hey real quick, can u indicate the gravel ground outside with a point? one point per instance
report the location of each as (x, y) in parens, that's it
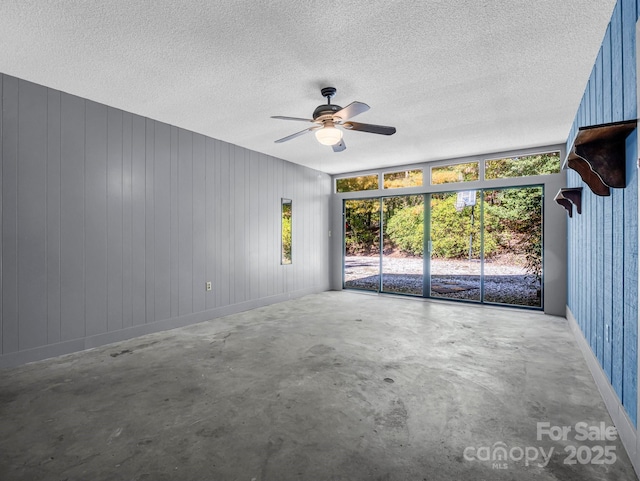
(504, 283)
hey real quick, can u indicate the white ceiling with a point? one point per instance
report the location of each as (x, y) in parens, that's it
(455, 78)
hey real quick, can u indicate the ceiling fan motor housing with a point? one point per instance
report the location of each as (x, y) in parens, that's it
(325, 110)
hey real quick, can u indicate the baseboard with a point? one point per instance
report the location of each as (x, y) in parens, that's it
(53, 350)
(626, 430)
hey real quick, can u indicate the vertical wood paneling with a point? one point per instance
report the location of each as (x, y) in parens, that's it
(302, 193)
(617, 197)
(217, 216)
(595, 228)
(138, 220)
(280, 192)
(289, 192)
(607, 115)
(599, 284)
(591, 234)
(603, 247)
(590, 265)
(231, 247)
(32, 215)
(72, 142)
(629, 18)
(115, 305)
(251, 273)
(570, 256)
(111, 220)
(210, 221)
(175, 226)
(599, 108)
(246, 210)
(199, 223)
(584, 293)
(238, 183)
(299, 270)
(272, 261)
(224, 195)
(162, 221)
(295, 228)
(150, 214)
(185, 221)
(53, 215)
(617, 102)
(95, 219)
(10, 314)
(263, 208)
(580, 231)
(608, 214)
(607, 288)
(630, 381)
(127, 220)
(630, 332)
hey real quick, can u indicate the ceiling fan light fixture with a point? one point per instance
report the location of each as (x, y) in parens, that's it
(329, 135)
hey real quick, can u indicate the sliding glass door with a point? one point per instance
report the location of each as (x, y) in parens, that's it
(403, 241)
(513, 246)
(362, 244)
(456, 246)
(479, 246)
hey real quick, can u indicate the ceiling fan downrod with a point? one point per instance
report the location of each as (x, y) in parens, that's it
(328, 92)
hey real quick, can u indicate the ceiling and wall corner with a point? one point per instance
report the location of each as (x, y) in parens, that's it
(454, 78)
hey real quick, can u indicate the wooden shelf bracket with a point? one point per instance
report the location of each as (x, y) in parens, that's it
(598, 155)
(567, 197)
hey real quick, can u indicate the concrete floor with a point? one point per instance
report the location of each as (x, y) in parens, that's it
(335, 386)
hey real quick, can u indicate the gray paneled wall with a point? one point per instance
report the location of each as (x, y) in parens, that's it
(112, 224)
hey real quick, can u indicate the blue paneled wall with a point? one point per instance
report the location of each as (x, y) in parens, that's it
(603, 241)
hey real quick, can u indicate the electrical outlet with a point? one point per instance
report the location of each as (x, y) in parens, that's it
(208, 286)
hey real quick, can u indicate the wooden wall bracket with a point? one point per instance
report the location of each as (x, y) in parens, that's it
(598, 155)
(567, 197)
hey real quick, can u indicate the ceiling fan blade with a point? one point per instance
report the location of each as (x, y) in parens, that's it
(374, 129)
(351, 110)
(339, 147)
(281, 117)
(297, 134)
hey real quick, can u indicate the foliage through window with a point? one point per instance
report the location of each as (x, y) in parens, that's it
(405, 178)
(455, 173)
(355, 184)
(286, 231)
(526, 165)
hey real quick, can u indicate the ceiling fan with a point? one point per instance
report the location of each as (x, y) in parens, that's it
(327, 117)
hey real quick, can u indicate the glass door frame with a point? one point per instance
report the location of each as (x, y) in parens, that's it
(425, 264)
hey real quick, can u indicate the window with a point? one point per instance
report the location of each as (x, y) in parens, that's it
(286, 231)
(405, 178)
(538, 164)
(455, 173)
(355, 184)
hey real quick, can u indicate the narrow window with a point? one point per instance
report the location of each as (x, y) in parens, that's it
(286, 231)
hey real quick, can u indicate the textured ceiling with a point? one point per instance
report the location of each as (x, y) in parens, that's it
(455, 78)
